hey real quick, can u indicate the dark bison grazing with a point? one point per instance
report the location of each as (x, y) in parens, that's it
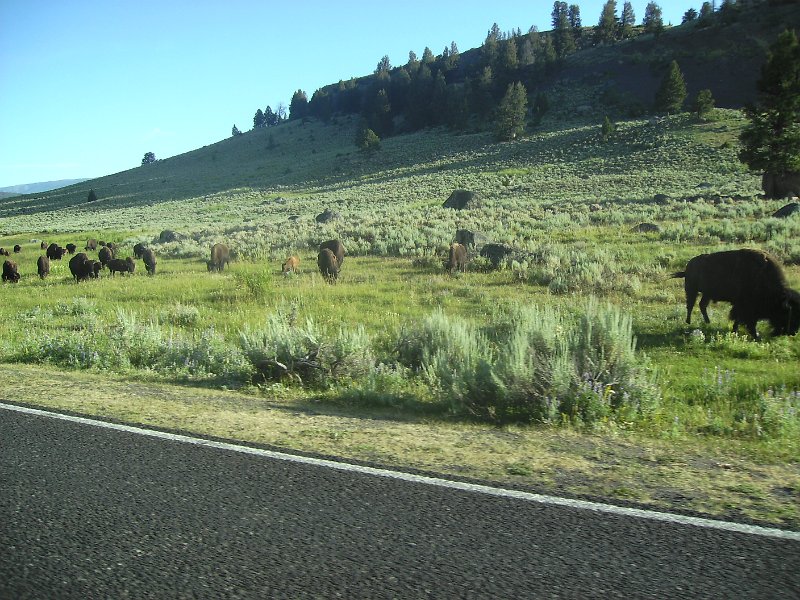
(336, 247)
(71, 248)
(291, 265)
(122, 266)
(105, 255)
(55, 252)
(751, 280)
(470, 239)
(81, 267)
(138, 250)
(496, 253)
(10, 272)
(457, 261)
(17, 248)
(149, 258)
(4, 252)
(43, 267)
(91, 244)
(328, 265)
(220, 256)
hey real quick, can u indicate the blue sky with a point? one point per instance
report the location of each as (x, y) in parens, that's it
(87, 87)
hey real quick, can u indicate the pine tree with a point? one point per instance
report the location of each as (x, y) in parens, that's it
(606, 30)
(672, 93)
(607, 129)
(511, 112)
(704, 103)
(627, 21)
(771, 142)
(298, 105)
(235, 131)
(92, 197)
(258, 119)
(653, 22)
(563, 33)
(149, 158)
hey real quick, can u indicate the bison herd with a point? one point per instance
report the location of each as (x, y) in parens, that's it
(752, 281)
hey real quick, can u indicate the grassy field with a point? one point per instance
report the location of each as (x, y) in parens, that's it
(569, 368)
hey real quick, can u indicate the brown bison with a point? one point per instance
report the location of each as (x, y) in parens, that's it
(291, 265)
(10, 272)
(149, 259)
(43, 245)
(751, 280)
(4, 252)
(122, 266)
(91, 244)
(337, 248)
(71, 248)
(328, 265)
(81, 267)
(457, 261)
(55, 252)
(43, 267)
(17, 248)
(220, 256)
(138, 250)
(105, 255)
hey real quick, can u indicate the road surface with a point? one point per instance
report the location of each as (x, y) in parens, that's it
(92, 512)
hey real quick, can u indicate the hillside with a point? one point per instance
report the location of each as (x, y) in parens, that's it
(36, 188)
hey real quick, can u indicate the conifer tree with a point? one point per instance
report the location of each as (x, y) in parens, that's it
(510, 121)
(672, 93)
(653, 21)
(626, 21)
(606, 30)
(704, 103)
(771, 142)
(298, 105)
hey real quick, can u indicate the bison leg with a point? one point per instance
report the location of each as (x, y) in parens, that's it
(704, 301)
(691, 296)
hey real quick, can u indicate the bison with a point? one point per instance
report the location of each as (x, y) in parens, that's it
(91, 244)
(291, 265)
(149, 259)
(71, 248)
(496, 253)
(457, 260)
(105, 255)
(751, 280)
(81, 267)
(17, 248)
(43, 267)
(4, 252)
(138, 250)
(55, 252)
(220, 256)
(10, 272)
(122, 266)
(336, 247)
(328, 265)
(43, 245)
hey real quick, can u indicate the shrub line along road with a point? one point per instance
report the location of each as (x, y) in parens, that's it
(89, 508)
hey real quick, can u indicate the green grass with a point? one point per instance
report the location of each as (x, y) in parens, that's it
(185, 325)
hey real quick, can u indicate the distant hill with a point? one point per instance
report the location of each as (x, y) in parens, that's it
(36, 188)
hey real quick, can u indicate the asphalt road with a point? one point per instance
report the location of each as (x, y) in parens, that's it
(87, 512)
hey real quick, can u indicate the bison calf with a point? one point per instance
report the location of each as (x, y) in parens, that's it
(751, 280)
(291, 265)
(457, 261)
(10, 272)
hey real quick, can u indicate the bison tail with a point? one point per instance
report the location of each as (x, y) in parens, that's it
(678, 275)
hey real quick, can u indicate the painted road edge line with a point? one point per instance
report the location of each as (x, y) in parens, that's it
(427, 480)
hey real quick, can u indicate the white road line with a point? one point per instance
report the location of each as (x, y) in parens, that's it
(456, 485)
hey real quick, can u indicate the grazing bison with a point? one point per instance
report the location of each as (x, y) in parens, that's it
(4, 252)
(91, 244)
(291, 265)
(751, 280)
(71, 248)
(10, 272)
(138, 250)
(457, 260)
(328, 265)
(43, 267)
(43, 245)
(470, 239)
(81, 267)
(17, 248)
(784, 319)
(336, 247)
(55, 252)
(149, 258)
(105, 255)
(496, 253)
(220, 256)
(122, 266)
